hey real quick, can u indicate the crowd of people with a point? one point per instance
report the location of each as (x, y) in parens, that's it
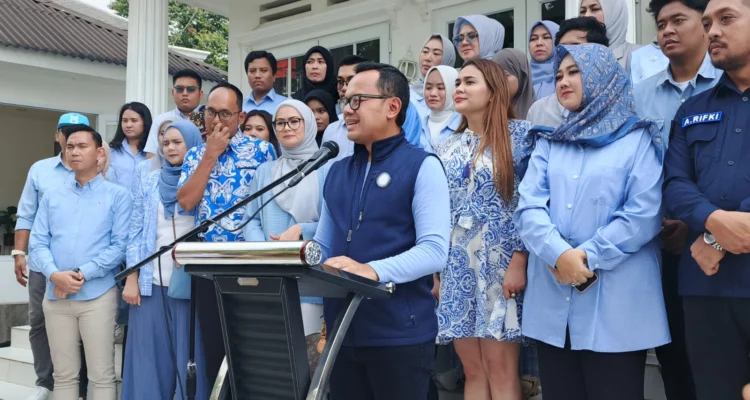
(545, 217)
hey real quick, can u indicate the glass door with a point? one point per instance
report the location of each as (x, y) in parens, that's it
(371, 42)
(290, 66)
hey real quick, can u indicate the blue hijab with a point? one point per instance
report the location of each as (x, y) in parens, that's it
(169, 175)
(607, 110)
(542, 73)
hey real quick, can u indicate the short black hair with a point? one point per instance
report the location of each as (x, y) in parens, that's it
(254, 55)
(655, 6)
(71, 129)
(390, 83)
(188, 73)
(596, 32)
(235, 89)
(352, 60)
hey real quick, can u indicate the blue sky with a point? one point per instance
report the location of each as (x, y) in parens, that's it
(98, 3)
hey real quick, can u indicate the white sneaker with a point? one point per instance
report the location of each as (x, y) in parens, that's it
(40, 394)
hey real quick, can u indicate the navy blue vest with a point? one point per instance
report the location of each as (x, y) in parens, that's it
(374, 226)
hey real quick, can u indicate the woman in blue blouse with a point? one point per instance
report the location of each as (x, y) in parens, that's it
(480, 289)
(294, 214)
(442, 120)
(590, 212)
(149, 372)
(130, 139)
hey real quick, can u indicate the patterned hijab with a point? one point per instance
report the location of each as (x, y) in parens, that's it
(516, 63)
(169, 175)
(491, 34)
(542, 75)
(300, 201)
(607, 110)
(449, 59)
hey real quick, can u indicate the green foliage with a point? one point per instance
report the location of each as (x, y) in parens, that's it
(8, 219)
(193, 28)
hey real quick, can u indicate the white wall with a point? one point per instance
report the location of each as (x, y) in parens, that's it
(10, 291)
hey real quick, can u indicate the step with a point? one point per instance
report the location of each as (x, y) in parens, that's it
(9, 391)
(17, 366)
(19, 337)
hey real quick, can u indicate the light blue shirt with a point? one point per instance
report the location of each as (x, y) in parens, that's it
(420, 103)
(646, 62)
(268, 103)
(123, 162)
(604, 201)
(431, 211)
(43, 176)
(82, 227)
(659, 97)
(337, 132)
(426, 138)
(152, 143)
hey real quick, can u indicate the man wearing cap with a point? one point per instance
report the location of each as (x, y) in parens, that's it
(43, 176)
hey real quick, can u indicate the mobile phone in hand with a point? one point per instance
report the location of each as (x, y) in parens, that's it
(589, 282)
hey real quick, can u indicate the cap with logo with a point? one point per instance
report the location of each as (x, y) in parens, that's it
(72, 119)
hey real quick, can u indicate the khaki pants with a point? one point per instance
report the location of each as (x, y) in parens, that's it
(93, 321)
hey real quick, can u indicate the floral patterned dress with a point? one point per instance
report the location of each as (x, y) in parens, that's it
(482, 242)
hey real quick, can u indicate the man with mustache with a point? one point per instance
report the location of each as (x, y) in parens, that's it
(707, 186)
(685, 43)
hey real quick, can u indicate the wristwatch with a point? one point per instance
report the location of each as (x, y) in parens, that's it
(709, 239)
(14, 253)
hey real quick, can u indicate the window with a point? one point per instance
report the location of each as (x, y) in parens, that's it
(505, 18)
(554, 11)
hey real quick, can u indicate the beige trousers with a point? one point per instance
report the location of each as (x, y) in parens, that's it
(93, 321)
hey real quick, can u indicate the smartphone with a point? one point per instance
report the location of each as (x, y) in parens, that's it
(586, 285)
(196, 118)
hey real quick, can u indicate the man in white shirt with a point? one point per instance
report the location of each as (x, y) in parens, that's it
(337, 131)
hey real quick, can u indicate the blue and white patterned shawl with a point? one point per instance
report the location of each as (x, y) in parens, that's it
(607, 110)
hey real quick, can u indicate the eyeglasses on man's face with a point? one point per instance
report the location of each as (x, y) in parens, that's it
(471, 36)
(224, 115)
(190, 89)
(356, 101)
(292, 123)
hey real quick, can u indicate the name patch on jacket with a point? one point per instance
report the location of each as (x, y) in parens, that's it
(702, 118)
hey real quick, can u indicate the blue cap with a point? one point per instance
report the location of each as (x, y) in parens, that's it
(72, 119)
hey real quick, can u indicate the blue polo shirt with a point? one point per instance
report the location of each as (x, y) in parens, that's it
(707, 168)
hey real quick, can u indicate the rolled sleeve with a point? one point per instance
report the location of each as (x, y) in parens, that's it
(28, 204)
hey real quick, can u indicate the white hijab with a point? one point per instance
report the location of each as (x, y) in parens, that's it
(449, 59)
(449, 75)
(616, 21)
(491, 33)
(300, 201)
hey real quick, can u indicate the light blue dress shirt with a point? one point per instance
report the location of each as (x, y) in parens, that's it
(337, 132)
(430, 208)
(647, 62)
(605, 201)
(420, 103)
(152, 143)
(268, 103)
(659, 97)
(123, 161)
(82, 227)
(44, 175)
(426, 138)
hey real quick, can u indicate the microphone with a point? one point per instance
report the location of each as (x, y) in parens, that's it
(326, 152)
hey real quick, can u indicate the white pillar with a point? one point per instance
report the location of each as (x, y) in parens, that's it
(148, 69)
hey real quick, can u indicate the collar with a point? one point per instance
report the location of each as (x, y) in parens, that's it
(707, 71)
(726, 86)
(60, 162)
(179, 113)
(381, 149)
(93, 184)
(238, 142)
(270, 96)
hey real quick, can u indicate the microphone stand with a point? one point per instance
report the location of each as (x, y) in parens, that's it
(191, 378)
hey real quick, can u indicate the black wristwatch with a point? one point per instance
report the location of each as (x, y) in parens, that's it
(709, 239)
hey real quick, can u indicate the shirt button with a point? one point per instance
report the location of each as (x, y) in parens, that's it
(744, 99)
(570, 206)
(723, 197)
(738, 130)
(596, 265)
(730, 163)
(567, 299)
(682, 100)
(575, 177)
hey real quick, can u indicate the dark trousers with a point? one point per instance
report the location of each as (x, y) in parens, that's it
(207, 308)
(586, 375)
(673, 358)
(383, 373)
(717, 331)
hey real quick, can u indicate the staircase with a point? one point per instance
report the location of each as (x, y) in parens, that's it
(17, 376)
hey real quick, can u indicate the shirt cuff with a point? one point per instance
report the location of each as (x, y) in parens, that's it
(23, 224)
(592, 258)
(380, 268)
(90, 271)
(553, 250)
(49, 269)
(701, 214)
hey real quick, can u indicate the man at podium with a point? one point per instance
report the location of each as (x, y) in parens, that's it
(387, 218)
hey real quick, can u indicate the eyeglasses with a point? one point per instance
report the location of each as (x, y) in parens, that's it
(471, 36)
(180, 89)
(341, 83)
(292, 123)
(224, 115)
(355, 101)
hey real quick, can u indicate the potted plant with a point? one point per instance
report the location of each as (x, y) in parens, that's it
(8, 221)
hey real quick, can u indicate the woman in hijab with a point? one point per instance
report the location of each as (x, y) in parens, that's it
(516, 67)
(478, 36)
(437, 50)
(319, 74)
(443, 119)
(614, 15)
(157, 221)
(541, 44)
(294, 214)
(589, 213)
(324, 109)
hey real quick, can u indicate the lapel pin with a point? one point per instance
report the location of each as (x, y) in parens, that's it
(383, 179)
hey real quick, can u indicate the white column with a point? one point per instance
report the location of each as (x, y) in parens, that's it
(148, 69)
